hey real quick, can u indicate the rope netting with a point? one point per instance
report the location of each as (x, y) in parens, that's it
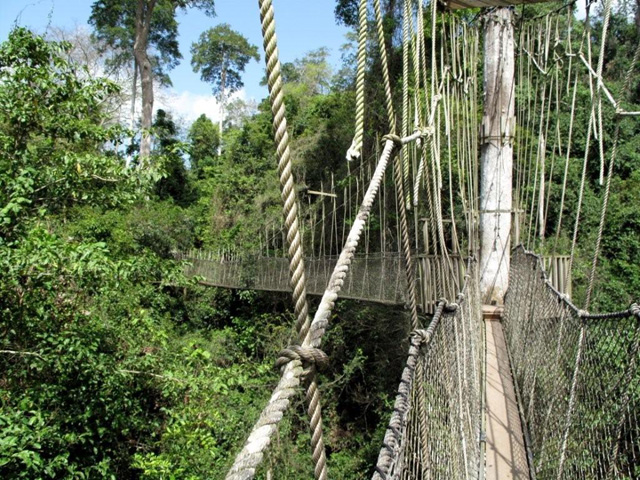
(578, 379)
(434, 431)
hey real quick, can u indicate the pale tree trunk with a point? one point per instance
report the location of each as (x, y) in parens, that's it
(223, 101)
(144, 11)
(132, 119)
(497, 155)
(134, 88)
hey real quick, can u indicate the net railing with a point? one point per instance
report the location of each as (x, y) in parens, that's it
(374, 277)
(434, 431)
(577, 376)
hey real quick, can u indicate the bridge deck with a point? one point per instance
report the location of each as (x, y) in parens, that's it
(505, 449)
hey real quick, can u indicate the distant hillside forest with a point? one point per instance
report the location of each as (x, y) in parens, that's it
(114, 364)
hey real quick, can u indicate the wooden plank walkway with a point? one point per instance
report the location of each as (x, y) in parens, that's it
(506, 456)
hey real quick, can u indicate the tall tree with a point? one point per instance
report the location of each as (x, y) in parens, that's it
(221, 55)
(133, 27)
(204, 140)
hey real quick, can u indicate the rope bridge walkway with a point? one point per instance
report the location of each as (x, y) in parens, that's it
(549, 392)
(363, 280)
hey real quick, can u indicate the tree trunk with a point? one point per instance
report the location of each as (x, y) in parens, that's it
(144, 10)
(223, 101)
(134, 92)
(132, 119)
(497, 155)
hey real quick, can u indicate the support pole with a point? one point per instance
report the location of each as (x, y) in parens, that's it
(497, 155)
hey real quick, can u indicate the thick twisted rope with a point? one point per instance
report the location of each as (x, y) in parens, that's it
(388, 97)
(321, 318)
(274, 80)
(394, 434)
(355, 150)
(251, 456)
(405, 90)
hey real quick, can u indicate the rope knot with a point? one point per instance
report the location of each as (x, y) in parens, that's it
(394, 138)
(353, 153)
(420, 335)
(583, 313)
(634, 309)
(309, 356)
(451, 307)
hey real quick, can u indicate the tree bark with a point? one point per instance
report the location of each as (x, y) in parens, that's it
(144, 10)
(223, 101)
(497, 155)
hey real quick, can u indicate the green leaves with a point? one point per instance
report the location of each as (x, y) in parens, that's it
(220, 55)
(52, 136)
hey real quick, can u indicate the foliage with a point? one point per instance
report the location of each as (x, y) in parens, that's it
(168, 151)
(115, 25)
(52, 134)
(204, 140)
(220, 55)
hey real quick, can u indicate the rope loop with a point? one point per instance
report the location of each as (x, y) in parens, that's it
(420, 334)
(397, 141)
(310, 357)
(451, 307)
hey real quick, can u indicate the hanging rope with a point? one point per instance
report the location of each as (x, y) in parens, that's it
(246, 468)
(355, 150)
(388, 98)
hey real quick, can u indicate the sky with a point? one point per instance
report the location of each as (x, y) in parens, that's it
(301, 26)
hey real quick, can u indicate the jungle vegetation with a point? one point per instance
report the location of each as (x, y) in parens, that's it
(115, 365)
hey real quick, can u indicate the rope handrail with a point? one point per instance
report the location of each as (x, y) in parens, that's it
(577, 375)
(628, 312)
(451, 321)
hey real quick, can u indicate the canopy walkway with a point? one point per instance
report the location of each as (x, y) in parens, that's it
(436, 278)
(506, 378)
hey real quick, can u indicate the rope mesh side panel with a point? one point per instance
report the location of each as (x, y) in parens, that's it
(578, 379)
(450, 353)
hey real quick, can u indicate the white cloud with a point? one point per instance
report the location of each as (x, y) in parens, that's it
(189, 106)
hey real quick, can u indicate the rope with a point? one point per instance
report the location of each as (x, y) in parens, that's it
(393, 435)
(355, 150)
(605, 201)
(405, 91)
(251, 455)
(388, 98)
(244, 467)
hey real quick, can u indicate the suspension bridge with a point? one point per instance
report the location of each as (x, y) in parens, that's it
(505, 376)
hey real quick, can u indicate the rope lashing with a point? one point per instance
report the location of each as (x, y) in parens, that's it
(397, 141)
(309, 357)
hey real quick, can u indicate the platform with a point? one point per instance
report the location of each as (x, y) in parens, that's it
(505, 456)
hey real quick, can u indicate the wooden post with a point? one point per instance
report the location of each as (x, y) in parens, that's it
(497, 155)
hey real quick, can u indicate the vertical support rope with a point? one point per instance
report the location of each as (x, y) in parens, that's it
(298, 279)
(388, 97)
(605, 201)
(355, 150)
(405, 90)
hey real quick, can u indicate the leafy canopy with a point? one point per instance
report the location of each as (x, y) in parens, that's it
(52, 134)
(115, 26)
(220, 55)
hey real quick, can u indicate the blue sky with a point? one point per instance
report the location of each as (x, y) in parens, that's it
(301, 26)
